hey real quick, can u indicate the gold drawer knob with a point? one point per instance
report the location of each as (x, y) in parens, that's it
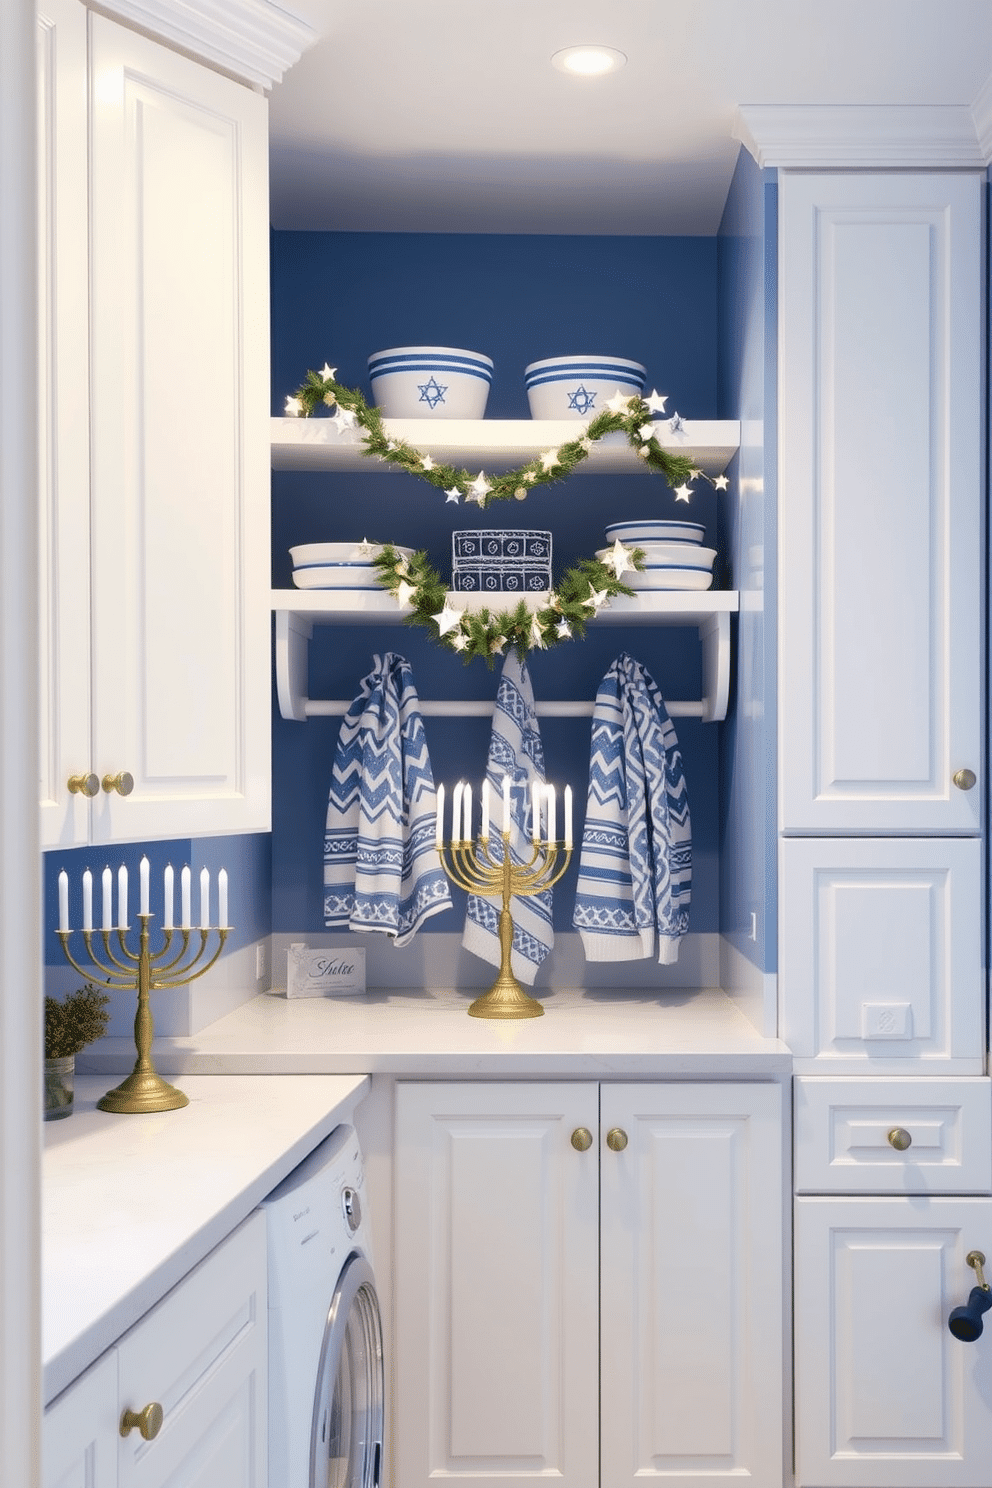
(900, 1139)
(616, 1139)
(83, 785)
(122, 783)
(964, 779)
(148, 1421)
(582, 1139)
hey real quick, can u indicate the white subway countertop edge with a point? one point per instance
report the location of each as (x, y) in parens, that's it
(131, 1203)
(693, 1033)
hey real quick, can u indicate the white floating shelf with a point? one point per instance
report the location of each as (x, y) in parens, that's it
(297, 611)
(495, 445)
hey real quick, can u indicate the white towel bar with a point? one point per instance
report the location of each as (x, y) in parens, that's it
(456, 708)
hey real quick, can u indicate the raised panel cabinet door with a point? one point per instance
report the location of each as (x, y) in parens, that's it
(202, 1355)
(885, 1396)
(63, 417)
(692, 1285)
(880, 501)
(880, 956)
(496, 1285)
(79, 1431)
(180, 462)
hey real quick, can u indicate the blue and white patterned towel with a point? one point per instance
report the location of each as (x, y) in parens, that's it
(515, 750)
(381, 868)
(635, 869)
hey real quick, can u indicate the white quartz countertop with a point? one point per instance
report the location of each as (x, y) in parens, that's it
(131, 1203)
(697, 1033)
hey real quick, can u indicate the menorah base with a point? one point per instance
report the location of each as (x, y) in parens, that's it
(142, 1091)
(506, 999)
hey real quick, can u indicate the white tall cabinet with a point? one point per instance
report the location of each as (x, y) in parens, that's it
(588, 1283)
(154, 202)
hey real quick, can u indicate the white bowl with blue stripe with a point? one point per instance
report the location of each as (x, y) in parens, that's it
(436, 382)
(579, 387)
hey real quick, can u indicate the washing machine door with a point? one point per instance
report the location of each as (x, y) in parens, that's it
(346, 1437)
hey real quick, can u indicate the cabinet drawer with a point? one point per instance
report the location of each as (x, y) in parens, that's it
(842, 1136)
(202, 1355)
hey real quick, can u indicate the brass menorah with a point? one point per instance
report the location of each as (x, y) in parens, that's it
(472, 865)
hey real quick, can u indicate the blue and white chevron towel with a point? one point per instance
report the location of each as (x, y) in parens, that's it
(515, 750)
(381, 868)
(635, 868)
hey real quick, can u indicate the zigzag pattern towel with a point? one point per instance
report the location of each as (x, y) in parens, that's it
(635, 868)
(514, 749)
(381, 868)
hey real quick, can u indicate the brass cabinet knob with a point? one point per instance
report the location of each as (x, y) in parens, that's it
(122, 783)
(900, 1139)
(83, 785)
(148, 1421)
(582, 1139)
(616, 1139)
(964, 779)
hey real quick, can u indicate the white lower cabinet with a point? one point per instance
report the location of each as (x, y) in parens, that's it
(885, 1396)
(200, 1355)
(588, 1283)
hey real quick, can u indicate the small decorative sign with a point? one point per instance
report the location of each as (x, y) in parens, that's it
(325, 973)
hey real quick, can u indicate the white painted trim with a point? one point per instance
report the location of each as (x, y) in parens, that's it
(981, 113)
(249, 39)
(871, 137)
(20, 875)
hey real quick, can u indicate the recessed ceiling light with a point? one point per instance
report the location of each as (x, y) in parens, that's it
(588, 61)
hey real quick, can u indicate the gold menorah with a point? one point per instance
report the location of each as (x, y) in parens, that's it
(144, 1089)
(473, 867)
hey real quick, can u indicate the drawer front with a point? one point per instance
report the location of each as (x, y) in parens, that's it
(843, 1143)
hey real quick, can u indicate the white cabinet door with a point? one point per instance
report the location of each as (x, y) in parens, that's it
(202, 1355)
(180, 467)
(79, 1431)
(692, 1288)
(63, 413)
(885, 1396)
(496, 1281)
(880, 482)
(881, 955)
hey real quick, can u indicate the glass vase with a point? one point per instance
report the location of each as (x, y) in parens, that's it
(59, 1087)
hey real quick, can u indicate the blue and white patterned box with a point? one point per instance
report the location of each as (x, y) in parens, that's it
(502, 560)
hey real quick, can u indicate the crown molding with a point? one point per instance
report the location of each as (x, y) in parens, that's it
(252, 40)
(866, 136)
(981, 113)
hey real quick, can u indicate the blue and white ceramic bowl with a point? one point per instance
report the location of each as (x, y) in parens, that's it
(578, 387)
(648, 531)
(437, 382)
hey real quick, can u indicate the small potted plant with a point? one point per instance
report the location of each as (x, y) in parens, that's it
(69, 1027)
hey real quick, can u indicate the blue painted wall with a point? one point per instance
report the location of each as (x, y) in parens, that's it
(343, 296)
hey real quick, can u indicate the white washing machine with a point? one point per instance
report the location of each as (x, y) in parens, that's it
(325, 1328)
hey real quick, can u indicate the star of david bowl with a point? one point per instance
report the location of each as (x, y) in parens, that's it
(435, 382)
(681, 555)
(579, 387)
(647, 531)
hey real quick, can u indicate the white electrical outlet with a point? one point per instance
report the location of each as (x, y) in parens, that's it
(261, 962)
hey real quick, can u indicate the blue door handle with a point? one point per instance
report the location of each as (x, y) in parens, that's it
(966, 1322)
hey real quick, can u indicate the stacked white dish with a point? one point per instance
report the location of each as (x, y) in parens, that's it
(674, 557)
(338, 565)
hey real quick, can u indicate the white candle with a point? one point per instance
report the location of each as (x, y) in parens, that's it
(552, 813)
(108, 893)
(122, 898)
(486, 798)
(143, 885)
(467, 814)
(168, 893)
(87, 900)
(63, 900)
(456, 811)
(568, 816)
(204, 899)
(506, 804)
(439, 819)
(222, 898)
(535, 812)
(185, 880)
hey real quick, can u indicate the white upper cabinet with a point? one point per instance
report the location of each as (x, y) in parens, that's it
(167, 529)
(880, 494)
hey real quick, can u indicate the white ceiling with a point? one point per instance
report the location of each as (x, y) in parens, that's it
(446, 115)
